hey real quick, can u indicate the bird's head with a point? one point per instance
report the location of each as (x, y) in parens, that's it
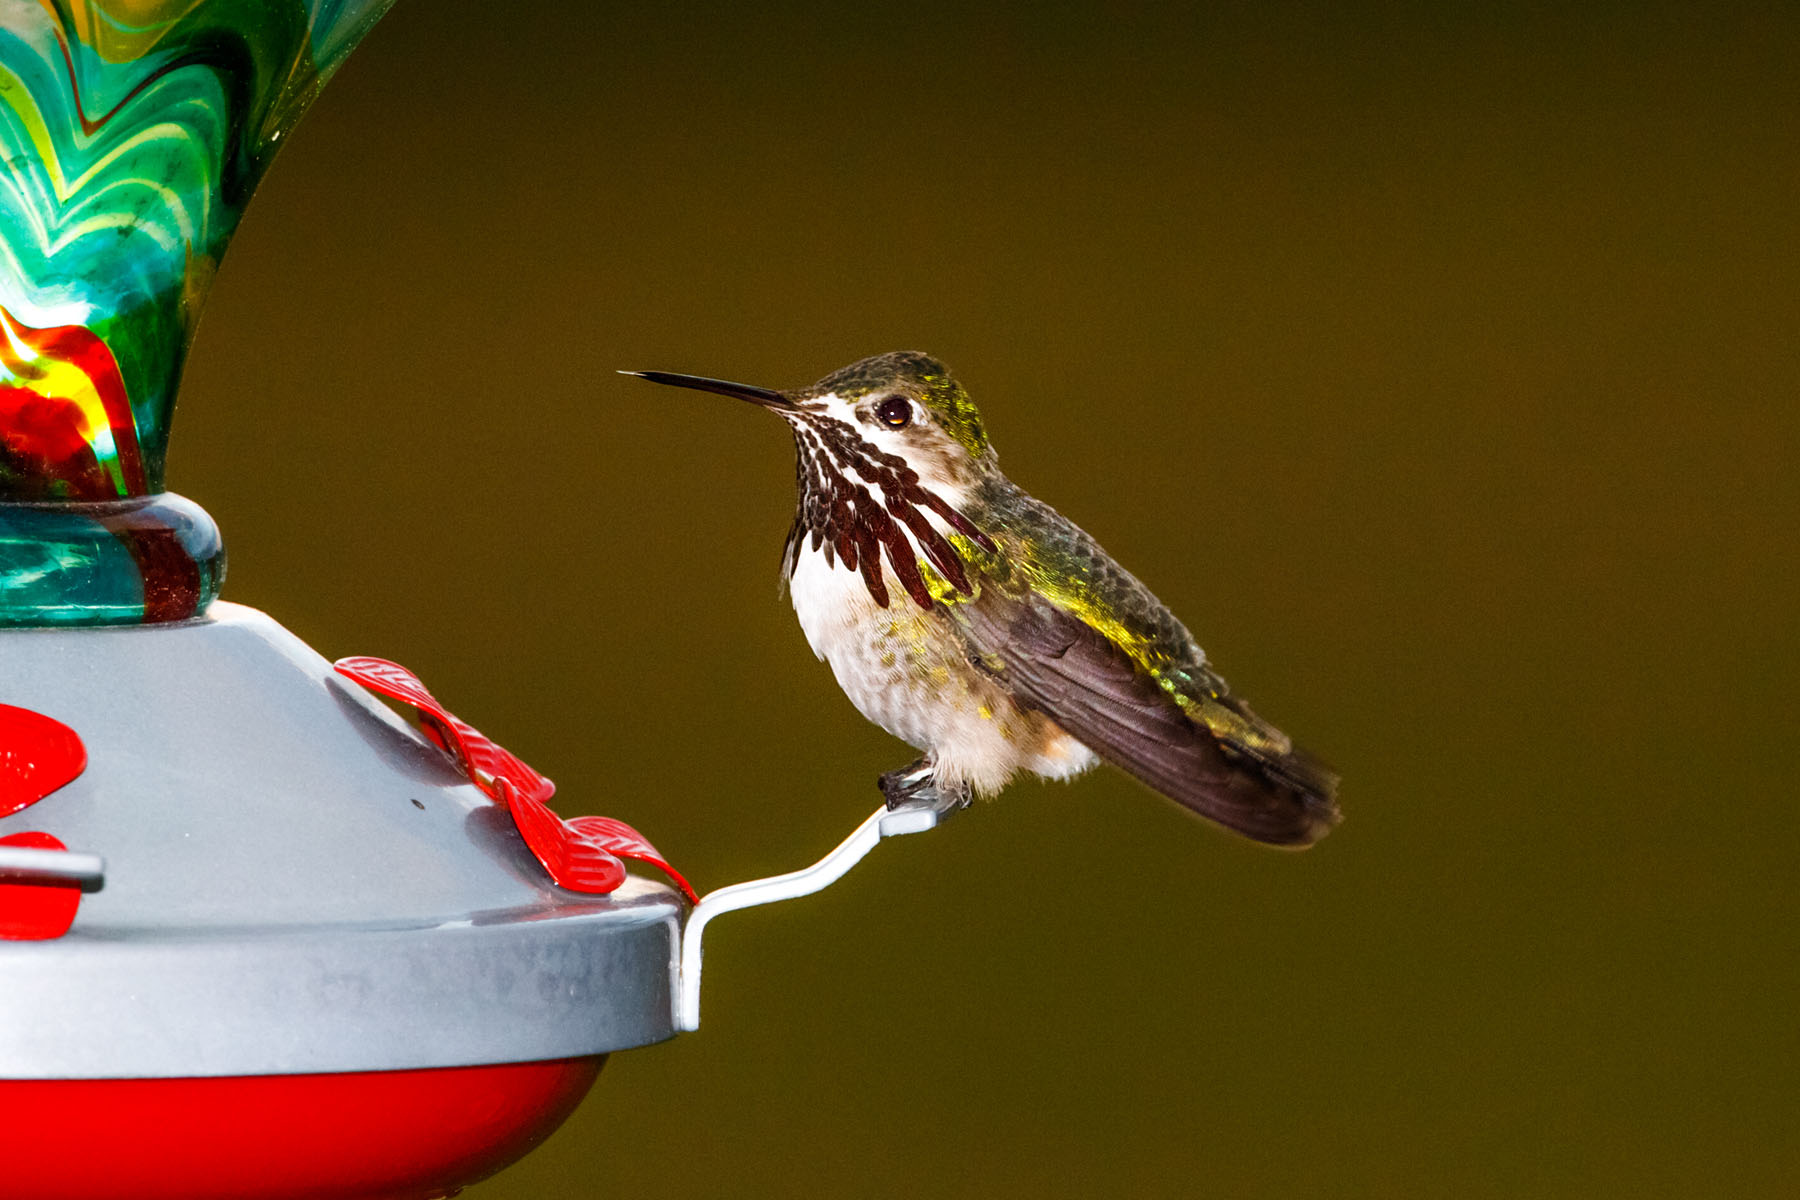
(889, 414)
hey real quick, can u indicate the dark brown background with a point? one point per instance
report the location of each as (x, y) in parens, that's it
(1438, 366)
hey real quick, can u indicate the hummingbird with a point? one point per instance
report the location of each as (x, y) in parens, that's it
(985, 629)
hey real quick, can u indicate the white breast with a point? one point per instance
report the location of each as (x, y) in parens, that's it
(904, 670)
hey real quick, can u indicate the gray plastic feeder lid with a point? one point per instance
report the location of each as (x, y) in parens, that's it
(295, 880)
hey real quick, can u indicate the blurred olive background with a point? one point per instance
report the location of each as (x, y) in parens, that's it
(1436, 363)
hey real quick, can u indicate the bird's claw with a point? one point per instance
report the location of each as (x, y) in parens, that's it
(917, 785)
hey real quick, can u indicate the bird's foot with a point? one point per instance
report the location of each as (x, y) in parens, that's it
(917, 784)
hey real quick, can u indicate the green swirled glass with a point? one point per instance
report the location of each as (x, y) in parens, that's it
(133, 133)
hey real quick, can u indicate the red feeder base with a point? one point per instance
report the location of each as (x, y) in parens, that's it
(378, 1135)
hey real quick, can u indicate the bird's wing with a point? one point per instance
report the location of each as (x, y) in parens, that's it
(1211, 754)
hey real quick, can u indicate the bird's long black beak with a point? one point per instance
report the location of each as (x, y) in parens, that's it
(767, 397)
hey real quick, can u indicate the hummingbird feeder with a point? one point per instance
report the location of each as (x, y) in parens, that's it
(259, 936)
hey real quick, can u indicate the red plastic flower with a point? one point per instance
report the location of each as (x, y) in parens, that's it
(38, 754)
(36, 911)
(581, 854)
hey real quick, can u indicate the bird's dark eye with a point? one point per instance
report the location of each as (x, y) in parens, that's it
(894, 412)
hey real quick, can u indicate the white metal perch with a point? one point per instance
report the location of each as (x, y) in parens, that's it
(884, 822)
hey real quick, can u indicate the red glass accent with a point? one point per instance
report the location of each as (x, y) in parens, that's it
(171, 576)
(44, 428)
(580, 854)
(50, 436)
(38, 754)
(373, 1135)
(35, 912)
